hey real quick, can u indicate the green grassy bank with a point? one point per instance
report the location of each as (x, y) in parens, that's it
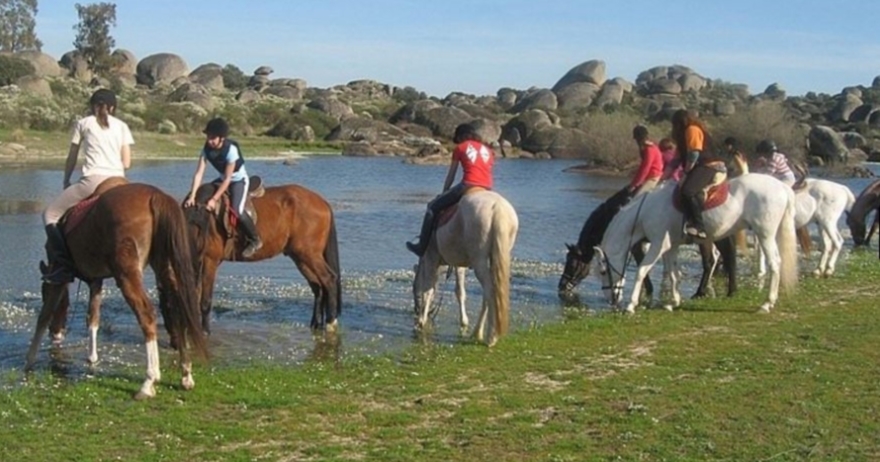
(712, 381)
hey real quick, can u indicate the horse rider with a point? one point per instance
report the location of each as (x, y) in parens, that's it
(738, 163)
(650, 169)
(224, 154)
(476, 160)
(702, 168)
(774, 163)
(105, 142)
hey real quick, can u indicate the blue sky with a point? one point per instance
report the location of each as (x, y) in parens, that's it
(479, 46)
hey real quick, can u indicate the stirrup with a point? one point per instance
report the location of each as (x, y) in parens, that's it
(252, 248)
(415, 248)
(56, 273)
(693, 231)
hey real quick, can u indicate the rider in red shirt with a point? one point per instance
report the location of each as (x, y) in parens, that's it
(476, 160)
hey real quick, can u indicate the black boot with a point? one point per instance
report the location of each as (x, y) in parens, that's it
(254, 242)
(59, 270)
(424, 235)
(695, 227)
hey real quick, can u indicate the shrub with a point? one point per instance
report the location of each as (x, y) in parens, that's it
(758, 121)
(287, 126)
(609, 140)
(233, 78)
(13, 68)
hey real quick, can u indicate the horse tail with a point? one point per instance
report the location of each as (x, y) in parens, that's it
(503, 235)
(331, 256)
(786, 240)
(172, 242)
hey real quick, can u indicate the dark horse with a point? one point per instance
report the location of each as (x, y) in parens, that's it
(291, 220)
(119, 233)
(868, 200)
(579, 256)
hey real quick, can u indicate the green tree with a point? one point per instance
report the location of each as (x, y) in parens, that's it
(234, 78)
(93, 40)
(17, 25)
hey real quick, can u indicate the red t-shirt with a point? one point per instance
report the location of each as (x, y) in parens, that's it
(651, 166)
(476, 160)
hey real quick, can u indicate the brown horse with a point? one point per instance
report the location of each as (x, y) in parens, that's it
(868, 200)
(291, 220)
(125, 229)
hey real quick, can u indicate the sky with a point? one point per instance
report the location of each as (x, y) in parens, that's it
(480, 46)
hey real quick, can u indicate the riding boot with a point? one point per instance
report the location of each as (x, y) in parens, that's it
(695, 226)
(424, 235)
(254, 242)
(59, 270)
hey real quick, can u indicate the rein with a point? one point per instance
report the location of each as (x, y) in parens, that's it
(611, 268)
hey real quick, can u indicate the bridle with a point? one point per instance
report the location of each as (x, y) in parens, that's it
(610, 270)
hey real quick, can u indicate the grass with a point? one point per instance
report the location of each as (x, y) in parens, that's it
(713, 381)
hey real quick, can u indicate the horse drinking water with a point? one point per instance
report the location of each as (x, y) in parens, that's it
(292, 221)
(480, 234)
(123, 230)
(856, 219)
(759, 202)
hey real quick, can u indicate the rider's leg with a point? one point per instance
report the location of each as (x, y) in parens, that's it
(439, 203)
(238, 198)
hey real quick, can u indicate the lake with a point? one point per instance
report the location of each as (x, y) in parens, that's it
(262, 310)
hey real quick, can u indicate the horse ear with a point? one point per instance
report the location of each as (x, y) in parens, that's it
(569, 246)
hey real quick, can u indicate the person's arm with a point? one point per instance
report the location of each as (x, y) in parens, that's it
(450, 175)
(70, 164)
(196, 182)
(224, 185)
(642, 173)
(126, 156)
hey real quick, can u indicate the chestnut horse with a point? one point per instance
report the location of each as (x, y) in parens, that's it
(123, 230)
(291, 220)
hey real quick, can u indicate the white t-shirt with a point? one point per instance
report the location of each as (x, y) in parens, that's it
(101, 148)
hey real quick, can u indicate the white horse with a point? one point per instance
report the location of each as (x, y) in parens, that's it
(759, 202)
(480, 235)
(823, 202)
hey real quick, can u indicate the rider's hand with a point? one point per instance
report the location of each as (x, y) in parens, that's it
(189, 202)
(211, 205)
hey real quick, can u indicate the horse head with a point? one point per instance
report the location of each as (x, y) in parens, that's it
(424, 284)
(577, 267)
(857, 228)
(612, 279)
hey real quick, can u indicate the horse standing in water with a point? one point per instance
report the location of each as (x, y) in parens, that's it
(823, 202)
(123, 230)
(759, 202)
(856, 219)
(291, 220)
(578, 258)
(480, 234)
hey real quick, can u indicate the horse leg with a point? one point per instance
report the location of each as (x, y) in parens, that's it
(710, 261)
(672, 274)
(638, 253)
(96, 292)
(650, 260)
(322, 282)
(53, 296)
(487, 313)
(832, 242)
(774, 259)
(209, 275)
(58, 325)
(130, 282)
(461, 296)
(167, 312)
(727, 248)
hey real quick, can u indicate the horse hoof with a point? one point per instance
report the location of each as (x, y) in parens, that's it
(764, 309)
(188, 383)
(667, 307)
(142, 395)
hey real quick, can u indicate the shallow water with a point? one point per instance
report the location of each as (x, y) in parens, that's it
(262, 310)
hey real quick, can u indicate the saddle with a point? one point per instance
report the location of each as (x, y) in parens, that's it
(73, 217)
(228, 217)
(447, 213)
(716, 195)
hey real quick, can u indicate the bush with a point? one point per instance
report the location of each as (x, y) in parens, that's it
(233, 78)
(762, 120)
(287, 126)
(12, 69)
(609, 138)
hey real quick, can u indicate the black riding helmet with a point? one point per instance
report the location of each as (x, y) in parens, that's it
(766, 147)
(103, 96)
(217, 127)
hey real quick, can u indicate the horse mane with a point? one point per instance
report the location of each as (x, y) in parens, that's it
(596, 224)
